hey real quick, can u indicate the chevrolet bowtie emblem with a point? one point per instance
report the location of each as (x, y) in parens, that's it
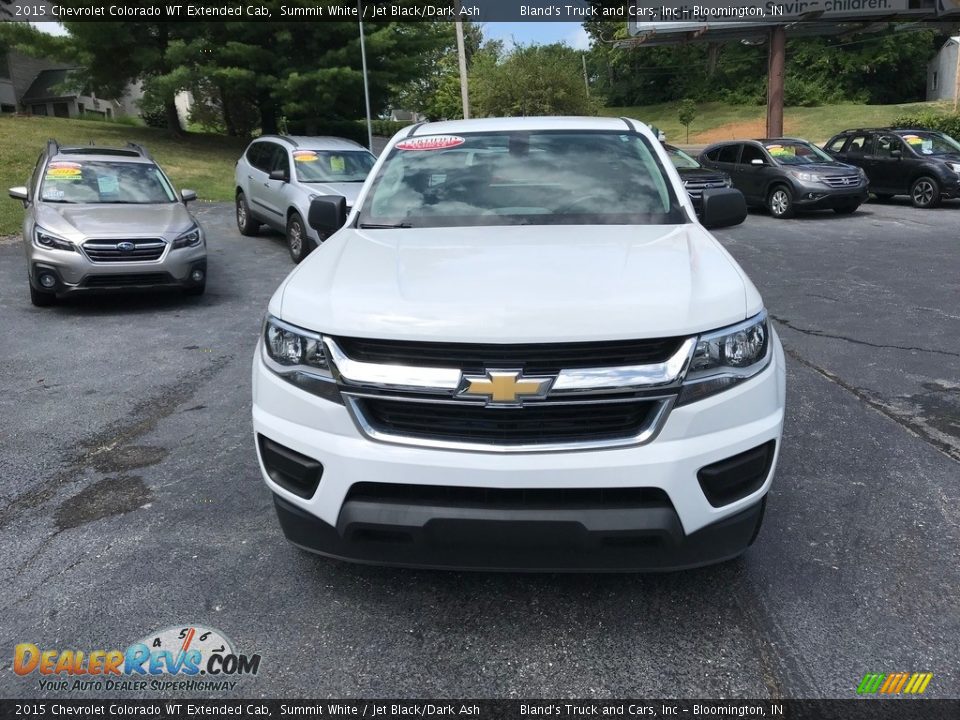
(504, 386)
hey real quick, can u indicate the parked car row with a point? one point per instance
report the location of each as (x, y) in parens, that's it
(786, 175)
(102, 218)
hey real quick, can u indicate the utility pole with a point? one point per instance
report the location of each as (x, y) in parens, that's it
(775, 72)
(366, 84)
(462, 56)
(586, 82)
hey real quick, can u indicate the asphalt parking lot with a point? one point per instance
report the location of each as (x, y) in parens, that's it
(130, 499)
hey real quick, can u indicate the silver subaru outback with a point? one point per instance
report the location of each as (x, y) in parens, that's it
(101, 218)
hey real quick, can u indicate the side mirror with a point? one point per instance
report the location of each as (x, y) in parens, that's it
(896, 154)
(19, 193)
(327, 214)
(757, 161)
(188, 195)
(280, 175)
(723, 207)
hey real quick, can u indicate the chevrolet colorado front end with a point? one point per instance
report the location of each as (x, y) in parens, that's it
(522, 351)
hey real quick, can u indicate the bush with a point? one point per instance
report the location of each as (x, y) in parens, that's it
(948, 123)
(387, 128)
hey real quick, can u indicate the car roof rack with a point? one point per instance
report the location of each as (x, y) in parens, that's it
(285, 138)
(131, 149)
(869, 129)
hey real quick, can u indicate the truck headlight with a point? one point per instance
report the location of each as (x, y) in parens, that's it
(191, 238)
(723, 358)
(48, 240)
(299, 357)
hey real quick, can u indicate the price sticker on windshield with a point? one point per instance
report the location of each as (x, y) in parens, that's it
(304, 156)
(434, 142)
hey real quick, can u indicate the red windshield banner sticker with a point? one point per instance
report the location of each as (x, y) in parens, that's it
(435, 142)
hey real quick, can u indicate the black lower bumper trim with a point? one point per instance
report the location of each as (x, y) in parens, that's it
(826, 200)
(531, 540)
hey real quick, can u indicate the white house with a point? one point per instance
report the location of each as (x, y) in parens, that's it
(942, 71)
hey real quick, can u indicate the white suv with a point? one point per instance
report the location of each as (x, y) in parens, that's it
(522, 351)
(278, 176)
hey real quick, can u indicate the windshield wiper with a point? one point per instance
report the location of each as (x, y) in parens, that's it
(62, 202)
(379, 226)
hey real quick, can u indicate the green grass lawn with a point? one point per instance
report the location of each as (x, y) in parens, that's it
(717, 121)
(200, 162)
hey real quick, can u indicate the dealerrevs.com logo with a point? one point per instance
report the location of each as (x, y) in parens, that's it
(189, 657)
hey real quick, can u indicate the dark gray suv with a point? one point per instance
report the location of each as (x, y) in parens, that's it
(786, 175)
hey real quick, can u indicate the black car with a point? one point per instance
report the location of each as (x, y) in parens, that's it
(696, 178)
(924, 164)
(785, 175)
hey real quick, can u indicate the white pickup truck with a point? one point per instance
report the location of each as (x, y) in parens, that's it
(520, 351)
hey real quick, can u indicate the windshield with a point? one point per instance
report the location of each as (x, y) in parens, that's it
(797, 153)
(521, 178)
(105, 182)
(931, 143)
(329, 166)
(680, 159)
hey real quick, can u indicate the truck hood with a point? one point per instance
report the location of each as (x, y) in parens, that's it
(78, 222)
(517, 284)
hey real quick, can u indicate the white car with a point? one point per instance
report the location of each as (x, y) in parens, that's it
(278, 175)
(522, 351)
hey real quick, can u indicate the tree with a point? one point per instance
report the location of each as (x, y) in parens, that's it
(435, 92)
(888, 66)
(307, 72)
(530, 80)
(687, 113)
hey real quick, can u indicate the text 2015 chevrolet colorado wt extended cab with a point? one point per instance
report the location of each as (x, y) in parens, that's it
(521, 351)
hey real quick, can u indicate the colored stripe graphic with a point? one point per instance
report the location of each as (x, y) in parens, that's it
(894, 683)
(870, 683)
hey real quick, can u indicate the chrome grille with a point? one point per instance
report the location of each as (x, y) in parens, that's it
(842, 181)
(595, 395)
(531, 357)
(123, 250)
(695, 188)
(531, 424)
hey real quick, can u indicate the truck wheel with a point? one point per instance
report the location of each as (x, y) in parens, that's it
(925, 192)
(42, 299)
(780, 203)
(245, 222)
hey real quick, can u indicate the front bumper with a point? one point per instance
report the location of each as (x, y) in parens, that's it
(821, 197)
(74, 272)
(685, 531)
